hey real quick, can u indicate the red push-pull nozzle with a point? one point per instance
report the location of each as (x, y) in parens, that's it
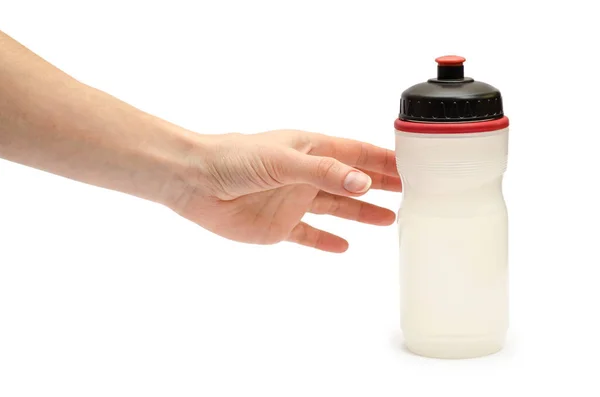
(450, 60)
(450, 67)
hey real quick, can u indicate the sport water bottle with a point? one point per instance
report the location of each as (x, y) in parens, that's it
(451, 153)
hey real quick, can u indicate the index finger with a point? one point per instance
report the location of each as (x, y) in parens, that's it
(355, 153)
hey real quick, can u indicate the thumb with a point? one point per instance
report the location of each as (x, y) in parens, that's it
(330, 175)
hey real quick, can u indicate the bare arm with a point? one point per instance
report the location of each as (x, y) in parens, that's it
(52, 122)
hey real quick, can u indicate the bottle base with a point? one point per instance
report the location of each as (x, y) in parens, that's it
(455, 347)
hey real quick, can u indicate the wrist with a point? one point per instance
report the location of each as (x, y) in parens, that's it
(186, 165)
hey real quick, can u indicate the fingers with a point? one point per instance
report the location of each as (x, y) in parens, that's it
(326, 173)
(355, 153)
(343, 207)
(333, 176)
(309, 236)
(348, 208)
(385, 182)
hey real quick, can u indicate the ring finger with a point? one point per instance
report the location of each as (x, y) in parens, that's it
(352, 209)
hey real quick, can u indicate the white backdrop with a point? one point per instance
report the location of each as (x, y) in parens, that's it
(102, 294)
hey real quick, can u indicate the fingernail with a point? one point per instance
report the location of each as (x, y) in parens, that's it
(357, 182)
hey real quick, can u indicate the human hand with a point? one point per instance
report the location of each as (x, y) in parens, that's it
(256, 188)
(248, 188)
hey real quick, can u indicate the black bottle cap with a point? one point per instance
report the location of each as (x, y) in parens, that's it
(451, 97)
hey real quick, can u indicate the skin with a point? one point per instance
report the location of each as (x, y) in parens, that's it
(250, 188)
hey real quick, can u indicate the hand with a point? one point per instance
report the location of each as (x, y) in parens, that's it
(256, 188)
(248, 188)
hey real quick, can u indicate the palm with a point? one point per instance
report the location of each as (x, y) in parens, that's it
(264, 217)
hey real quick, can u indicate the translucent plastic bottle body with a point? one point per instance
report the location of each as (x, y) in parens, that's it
(453, 242)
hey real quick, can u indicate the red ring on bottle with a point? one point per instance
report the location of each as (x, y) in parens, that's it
(451, 128)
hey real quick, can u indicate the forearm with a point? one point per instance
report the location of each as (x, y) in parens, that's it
(52, 122)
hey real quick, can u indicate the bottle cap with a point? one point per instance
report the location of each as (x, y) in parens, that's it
(451, 97)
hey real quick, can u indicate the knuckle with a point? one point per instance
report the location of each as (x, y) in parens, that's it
(363, 155)
(386, 164)
(359, 211)
(319, 206)
(268, 166)
(303, 142)
(384, 180)
(324, 167)
(300, 232)
(334, 205)
(275, 164)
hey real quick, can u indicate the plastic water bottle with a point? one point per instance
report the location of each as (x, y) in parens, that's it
(451, 153)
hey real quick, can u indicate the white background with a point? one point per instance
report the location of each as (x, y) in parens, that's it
(102, 294)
